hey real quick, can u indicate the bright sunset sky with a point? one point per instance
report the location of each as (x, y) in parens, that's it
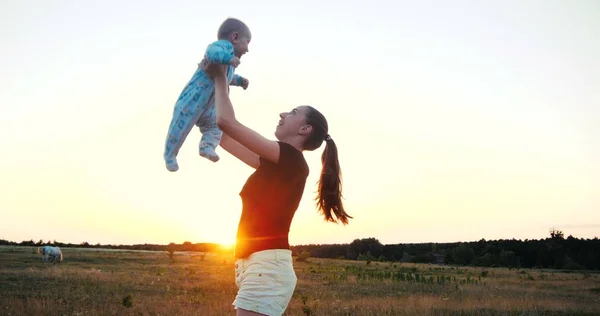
(455, 120)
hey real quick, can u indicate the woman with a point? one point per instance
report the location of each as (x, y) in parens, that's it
(264, 272)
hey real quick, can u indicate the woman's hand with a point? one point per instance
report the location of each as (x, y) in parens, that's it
(216, 71)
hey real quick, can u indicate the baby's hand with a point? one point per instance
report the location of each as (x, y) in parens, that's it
(245, 83)
(235, 61)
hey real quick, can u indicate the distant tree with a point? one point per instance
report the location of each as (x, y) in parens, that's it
(448, 257)
(487, 260)
(571, 264)
(491, 249)
(371, 245)
(508, 258)
(28, 243)
(556, 234)
(423, 258)
(463, 254)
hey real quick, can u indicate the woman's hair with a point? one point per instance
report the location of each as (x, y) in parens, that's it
(329, 197)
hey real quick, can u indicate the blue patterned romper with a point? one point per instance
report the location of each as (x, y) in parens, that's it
(196, 106)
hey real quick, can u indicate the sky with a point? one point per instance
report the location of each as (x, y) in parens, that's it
(454, 120)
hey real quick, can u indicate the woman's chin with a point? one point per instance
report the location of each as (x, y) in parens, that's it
(277, 133)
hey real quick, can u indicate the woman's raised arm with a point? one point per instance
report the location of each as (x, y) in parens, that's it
(237, 131)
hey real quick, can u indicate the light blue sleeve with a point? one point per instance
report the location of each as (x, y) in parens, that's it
(236, 80)
(219, 52)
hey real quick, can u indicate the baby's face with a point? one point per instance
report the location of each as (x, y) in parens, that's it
(240, 44)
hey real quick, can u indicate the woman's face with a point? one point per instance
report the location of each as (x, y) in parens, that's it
(292, 123)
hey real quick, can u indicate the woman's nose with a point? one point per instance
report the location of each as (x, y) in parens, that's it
(282, 115)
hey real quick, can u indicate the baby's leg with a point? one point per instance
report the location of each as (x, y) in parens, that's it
(183, 121)
(211, 134)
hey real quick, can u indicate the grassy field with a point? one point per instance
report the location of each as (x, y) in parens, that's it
(105, 282)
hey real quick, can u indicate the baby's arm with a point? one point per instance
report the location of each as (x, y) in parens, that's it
(236, 80)
(239, 81)
(219, 53)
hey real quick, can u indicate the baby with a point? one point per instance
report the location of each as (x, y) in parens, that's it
(196, 103)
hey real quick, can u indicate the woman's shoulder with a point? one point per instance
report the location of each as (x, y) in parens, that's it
(289, 150)
(290, 156)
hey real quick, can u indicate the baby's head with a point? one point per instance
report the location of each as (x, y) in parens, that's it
(238, 33)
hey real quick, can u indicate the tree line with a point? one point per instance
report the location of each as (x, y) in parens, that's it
(553, 252)
(186, 246)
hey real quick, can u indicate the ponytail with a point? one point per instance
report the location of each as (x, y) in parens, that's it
(329, 197)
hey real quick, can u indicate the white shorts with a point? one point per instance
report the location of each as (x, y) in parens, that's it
(266, 281)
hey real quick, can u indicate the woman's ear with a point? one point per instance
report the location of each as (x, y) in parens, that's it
(305, 130)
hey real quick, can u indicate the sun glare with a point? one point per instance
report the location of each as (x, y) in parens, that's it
(227, 246)
(226, 242)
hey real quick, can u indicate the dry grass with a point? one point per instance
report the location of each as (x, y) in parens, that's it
(107, 282)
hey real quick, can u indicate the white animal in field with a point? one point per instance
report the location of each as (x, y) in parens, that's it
(50, 254)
